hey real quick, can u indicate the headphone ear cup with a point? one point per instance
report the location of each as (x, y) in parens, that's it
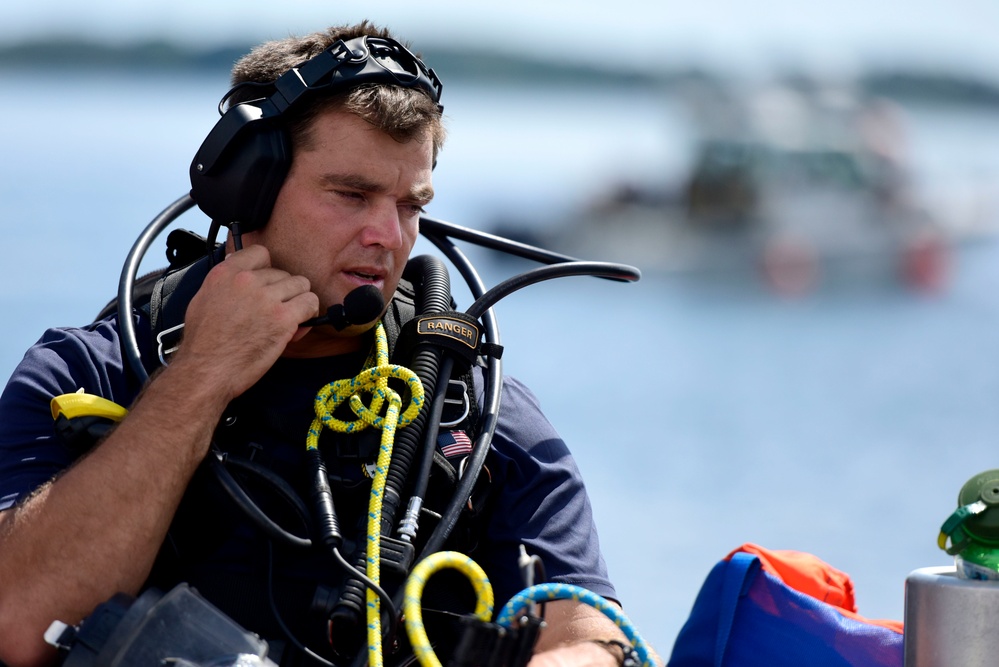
(243, 183)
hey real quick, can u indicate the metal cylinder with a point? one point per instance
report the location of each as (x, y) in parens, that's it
(950, 621)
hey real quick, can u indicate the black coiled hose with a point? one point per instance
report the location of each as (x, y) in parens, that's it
(436, 298)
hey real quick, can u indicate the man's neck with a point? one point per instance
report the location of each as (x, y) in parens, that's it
(325, 342)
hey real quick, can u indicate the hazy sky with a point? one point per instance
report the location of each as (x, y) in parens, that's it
(951, 34)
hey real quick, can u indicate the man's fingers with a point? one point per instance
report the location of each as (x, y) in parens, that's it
(251, 257)
(283, 284)
(250, 269)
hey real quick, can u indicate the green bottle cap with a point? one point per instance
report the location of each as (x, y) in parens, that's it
(984, 487)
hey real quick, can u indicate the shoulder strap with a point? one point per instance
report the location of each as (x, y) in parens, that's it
(184, 247)
(173, 291)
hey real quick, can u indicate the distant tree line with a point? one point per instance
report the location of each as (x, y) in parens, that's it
(163, 54)
(492, 67)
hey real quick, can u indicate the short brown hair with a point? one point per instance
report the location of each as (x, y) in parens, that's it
(400, 112)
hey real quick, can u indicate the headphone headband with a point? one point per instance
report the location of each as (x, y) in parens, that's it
(239, 168)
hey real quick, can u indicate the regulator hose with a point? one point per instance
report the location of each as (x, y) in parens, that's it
(126, 284)
(437, 233)
(435, 297)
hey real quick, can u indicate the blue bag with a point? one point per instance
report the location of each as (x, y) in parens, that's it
(744, 616)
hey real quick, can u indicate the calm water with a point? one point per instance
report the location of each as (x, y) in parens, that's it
(841, 424)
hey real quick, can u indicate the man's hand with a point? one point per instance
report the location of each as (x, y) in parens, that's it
(241, 319)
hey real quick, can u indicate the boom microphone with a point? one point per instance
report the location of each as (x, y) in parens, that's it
(360, 306)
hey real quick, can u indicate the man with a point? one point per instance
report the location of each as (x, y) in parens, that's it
(134, 511)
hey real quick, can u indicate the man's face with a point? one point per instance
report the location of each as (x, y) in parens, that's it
(348, 212)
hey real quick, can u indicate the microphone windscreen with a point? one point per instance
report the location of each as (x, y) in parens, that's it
(363, 304)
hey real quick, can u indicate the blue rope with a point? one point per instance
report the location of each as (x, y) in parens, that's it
(548, 592)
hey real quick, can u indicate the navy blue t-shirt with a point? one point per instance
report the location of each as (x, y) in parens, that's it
(537, 497)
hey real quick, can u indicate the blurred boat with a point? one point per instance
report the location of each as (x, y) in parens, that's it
(801, 189)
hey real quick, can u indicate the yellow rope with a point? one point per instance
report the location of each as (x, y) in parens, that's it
(374, 381)
(412, 605)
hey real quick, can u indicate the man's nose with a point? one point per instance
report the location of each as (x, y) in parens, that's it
(383, 227)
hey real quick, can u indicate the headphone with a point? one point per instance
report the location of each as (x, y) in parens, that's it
(242, 163)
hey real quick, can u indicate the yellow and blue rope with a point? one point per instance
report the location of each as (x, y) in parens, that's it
(548, 592)
(373, 380)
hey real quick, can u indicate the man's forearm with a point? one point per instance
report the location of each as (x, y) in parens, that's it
(96, 529)
(574, 634)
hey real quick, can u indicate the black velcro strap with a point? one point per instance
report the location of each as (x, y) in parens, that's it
(453, 331)
(491, 350)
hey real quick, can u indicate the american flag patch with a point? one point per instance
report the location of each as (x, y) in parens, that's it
(454, 443)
